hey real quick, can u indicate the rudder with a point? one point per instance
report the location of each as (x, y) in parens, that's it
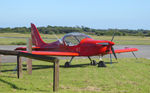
(36, 38)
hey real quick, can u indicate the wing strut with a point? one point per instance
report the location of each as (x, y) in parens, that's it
(134, 54)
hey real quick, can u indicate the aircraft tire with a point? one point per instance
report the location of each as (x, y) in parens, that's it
(101, 64)
(67, 64)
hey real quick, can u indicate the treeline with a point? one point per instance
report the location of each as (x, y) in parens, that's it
(82, 29)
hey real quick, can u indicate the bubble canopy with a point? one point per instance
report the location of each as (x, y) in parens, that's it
(72, 39)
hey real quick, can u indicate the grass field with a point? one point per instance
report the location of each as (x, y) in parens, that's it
(127, 76)
(122, 40)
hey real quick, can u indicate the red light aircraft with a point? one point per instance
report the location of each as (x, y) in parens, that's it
(74, 44)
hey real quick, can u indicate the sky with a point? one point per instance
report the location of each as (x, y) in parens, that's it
(98, 14)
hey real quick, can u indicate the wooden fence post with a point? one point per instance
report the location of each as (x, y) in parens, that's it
(29, 61)
(53, 60)
(56, 76)
(19, 66)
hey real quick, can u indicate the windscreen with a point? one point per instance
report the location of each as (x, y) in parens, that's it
(73, 39)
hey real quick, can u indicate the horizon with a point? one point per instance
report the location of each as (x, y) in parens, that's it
(77, 26)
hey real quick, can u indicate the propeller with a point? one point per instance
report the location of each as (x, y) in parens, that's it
(113, 36)
(112, 49)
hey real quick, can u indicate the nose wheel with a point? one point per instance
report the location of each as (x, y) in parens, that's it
(101, 64)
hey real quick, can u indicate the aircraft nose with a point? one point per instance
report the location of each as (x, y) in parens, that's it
(111, 43)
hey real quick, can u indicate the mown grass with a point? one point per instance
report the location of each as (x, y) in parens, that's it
(127, 76)
(122, 40)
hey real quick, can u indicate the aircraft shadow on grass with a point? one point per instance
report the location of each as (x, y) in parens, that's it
(110, 62)
(36, 67)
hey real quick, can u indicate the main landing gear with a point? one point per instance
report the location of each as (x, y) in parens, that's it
(100, 63)
(93, 62)
(67, 64)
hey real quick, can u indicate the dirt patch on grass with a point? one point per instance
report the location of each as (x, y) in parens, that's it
(88, 88)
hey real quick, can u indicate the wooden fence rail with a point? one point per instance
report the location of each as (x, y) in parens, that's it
(53, 60)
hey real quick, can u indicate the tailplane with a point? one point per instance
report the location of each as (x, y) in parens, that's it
(36, 38)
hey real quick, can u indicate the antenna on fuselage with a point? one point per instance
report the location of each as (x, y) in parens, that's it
(55, 36)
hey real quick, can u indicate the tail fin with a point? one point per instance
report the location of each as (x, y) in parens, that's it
(36, 38)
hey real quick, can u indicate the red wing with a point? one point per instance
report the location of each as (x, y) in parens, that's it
(53, 53)
(125, 50)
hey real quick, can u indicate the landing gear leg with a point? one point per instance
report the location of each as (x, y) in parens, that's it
(67, 64)
(93, 62)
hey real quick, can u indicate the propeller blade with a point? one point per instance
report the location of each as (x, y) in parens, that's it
(112, 49)
(113, 37)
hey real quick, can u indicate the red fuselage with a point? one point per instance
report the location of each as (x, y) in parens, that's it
(86, 47)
